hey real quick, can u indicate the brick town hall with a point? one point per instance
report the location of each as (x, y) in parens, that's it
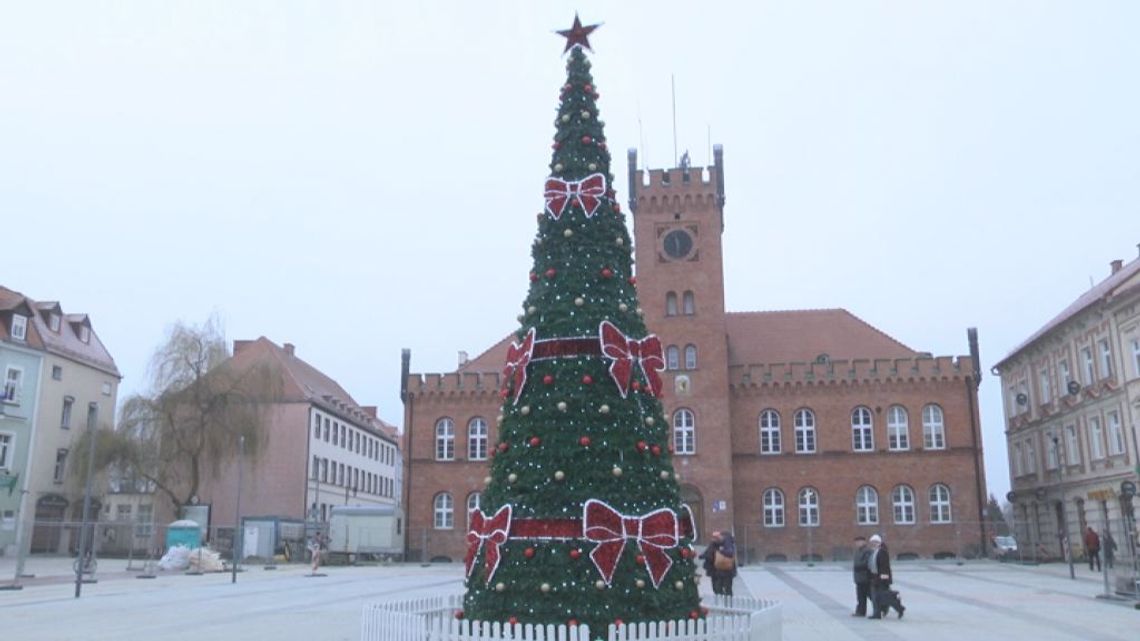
(796, 429)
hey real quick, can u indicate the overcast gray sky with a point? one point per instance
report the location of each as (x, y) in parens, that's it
(358, 177)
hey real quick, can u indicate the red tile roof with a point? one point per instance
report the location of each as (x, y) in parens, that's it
(1126, 278)
(301, 382)
(64, 343)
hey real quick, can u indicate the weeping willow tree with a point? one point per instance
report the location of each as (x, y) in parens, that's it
(188, 424)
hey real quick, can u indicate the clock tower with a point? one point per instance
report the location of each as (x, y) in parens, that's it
(678, 219)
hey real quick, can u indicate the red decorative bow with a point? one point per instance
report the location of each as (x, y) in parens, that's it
(492, 531)
(654, 533)
(518, 357)
(625, 351)
(588, 192)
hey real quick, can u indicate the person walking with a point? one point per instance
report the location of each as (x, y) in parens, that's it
(879, 567)
(720, 562)
(1109, 549)
(862, 576)
(1092, 547)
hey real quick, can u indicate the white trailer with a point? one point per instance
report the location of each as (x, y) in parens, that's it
(374, 532)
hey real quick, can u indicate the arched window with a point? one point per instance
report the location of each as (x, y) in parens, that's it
(933, 430)
(805, 431)
(773, 508)
(671, 304)
(690, 357)
(444, 440)
(866, 506)
(769, 432)
(688, 304)
(939, 503)
(902, 501)
(442, 508)
(862, 430)
(672, 357)
(898, 429)
(809, 507)
(684, 432)
(473, 502)
(477, 439)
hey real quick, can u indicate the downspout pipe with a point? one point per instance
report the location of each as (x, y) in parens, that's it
(972, 385)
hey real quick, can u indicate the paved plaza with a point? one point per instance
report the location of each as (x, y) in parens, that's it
(945, 601)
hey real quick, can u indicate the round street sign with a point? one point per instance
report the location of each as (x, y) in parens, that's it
(1127, 489)
(1011, 496)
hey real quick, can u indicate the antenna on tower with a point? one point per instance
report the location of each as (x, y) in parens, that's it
(708, 128)
(673, 87)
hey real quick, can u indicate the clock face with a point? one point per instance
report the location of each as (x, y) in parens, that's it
(678, 244)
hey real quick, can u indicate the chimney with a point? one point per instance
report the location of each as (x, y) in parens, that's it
(240, 346)
(370, 410)
(462, 358)
(1116, 265)
(289, 348)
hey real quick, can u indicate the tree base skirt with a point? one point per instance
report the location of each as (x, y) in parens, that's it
(434, 619)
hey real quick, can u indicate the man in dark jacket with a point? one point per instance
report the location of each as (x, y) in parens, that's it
(879, 566)
(721, 579)
(862, 576)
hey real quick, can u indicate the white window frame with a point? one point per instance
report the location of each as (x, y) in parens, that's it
(940, 510)
(774, 507)
(443, 511)
(671, 304)
(1015, 460)
(1052, 456)
(684, 432)
(862, 430)
(445, 439)
(1046, 386)
(1066, 376)
(13, 386)
(690, 356)
(1087, 361)
(1072, 445)
(866, 506)
(474, 501)
(808, 501)
(804, 422)
(60, 465)
(902, 505)
(1105, 358)
(688, 304)
(933, 427)
(54, 322)
(1096, 438)
(7, 450)
(770, 432)
(65, 412)
(672, 358)
(19, 328)
(1031, 455)
(898, 429)
(1136, 357)
(1115, 434)
(85, 333)
(477, 435)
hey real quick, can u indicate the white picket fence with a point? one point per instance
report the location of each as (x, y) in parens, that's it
(433, 619)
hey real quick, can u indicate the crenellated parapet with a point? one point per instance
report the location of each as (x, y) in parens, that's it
(878, 370)
(453, 384)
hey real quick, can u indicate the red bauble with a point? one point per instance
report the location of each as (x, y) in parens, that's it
(640, 559)
(602, 146)
(503, 447)
(685, 553)
(513, 620)
(529, 553)
(587, 379)
(618, 622)
(633, 280)
(705, 611)
(587, 140)
(607, 272)
(641, 446)
(584, 441)
(555, 145)
(587, 87)
(548, 379)
(567, 87)
(572, 622)
(551, 272)
(617, 208)
(533, 276)
(503, 393)
(636, 386)
(535, 441)
(694, 614)
(670, 448)
(459, 614)
(575, 553)
(656, 449)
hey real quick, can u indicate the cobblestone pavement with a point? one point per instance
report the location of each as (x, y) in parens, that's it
(944, 601)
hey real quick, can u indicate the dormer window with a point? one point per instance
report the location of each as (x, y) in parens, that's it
(53, 322)
(19, 327)
(85, 333)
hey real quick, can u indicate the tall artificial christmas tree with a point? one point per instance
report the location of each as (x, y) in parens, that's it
(581, 520)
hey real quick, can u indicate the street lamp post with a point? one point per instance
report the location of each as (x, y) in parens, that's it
(235, 548)
(86, 542)
(1066, 549)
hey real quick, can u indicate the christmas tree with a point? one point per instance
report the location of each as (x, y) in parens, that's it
(581, 520)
